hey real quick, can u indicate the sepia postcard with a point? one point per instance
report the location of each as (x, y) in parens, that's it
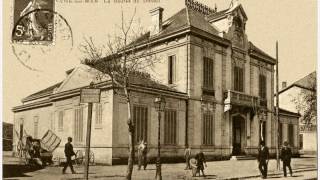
(159, 89)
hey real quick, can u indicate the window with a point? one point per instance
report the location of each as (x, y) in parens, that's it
(171, 69)
(300, 141)
(280, 134)
(264, 131)
(207, 73)
(140, 119)
(238, 80)
(60, 120)
(21, 128)
(290, 134)
(52, 121)
(170, 126)
(98, 115)
(78, 124)
(262, 86)
(208, 127)
(35, 126)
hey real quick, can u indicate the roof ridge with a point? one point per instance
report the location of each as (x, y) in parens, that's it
(188, 18)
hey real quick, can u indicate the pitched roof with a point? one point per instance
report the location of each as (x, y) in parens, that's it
(254, 48)
(186, 17)
(217, 14)
(144, 80)
(284, 111)
(44, 92)
(175, 22)
(198, 20)
(305, 83)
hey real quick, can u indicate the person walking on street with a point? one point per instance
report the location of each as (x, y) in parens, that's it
(285, 156)
(200, 161)
(187, 155)
(263, 159)
(68, 151)
(142, 155)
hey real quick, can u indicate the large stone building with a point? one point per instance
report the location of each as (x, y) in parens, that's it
(218, 88)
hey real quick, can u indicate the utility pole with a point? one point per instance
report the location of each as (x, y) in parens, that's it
(89, 95)
(88, 138)
(277, 107)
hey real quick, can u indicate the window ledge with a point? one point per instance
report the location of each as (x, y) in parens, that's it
(98, 127)
(207, 146)
(208, 91)
(173, 85)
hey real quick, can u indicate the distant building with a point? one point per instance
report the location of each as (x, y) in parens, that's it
(218, 88)
(307, 135)
(7, 136)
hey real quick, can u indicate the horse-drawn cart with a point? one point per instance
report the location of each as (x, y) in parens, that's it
(38, 151)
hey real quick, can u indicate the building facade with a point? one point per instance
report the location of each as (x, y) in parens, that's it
(288, 98)
(7, 136)
(218, 86)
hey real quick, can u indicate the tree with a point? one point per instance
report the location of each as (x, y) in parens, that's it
(306, 102)
(127, 54)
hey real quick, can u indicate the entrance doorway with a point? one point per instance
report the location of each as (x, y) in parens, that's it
(238, 134)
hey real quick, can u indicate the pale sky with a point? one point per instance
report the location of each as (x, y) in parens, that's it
(292, 23)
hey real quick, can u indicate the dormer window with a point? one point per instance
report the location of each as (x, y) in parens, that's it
(237, 22)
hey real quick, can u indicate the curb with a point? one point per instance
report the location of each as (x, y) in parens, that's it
(271, 174)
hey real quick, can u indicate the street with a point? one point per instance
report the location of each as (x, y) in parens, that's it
(303, 168)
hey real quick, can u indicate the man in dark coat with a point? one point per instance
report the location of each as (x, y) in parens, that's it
(285, 156)
(201, 161)
(263, 159)
(68, 151)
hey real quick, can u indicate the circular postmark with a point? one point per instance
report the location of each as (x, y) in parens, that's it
(40, 37)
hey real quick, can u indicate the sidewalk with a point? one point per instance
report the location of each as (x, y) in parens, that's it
(216, 170)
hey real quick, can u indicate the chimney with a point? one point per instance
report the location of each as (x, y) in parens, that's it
(156, 20)
(284, 84)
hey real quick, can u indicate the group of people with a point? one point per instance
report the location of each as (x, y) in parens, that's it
(197, 163)
(263, 159)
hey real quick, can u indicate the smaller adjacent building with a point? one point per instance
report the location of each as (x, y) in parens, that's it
(7, 136)
(289, 129)
(287, 97)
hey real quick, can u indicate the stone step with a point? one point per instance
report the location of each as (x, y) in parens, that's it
(243, 157)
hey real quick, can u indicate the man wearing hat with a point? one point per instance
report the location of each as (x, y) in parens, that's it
(263, 159)
(68, 150)
(285, 156)
(142, 155)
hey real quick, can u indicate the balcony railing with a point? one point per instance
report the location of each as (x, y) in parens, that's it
(240, 98)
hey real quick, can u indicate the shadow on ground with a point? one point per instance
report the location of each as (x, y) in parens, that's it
(17, 170)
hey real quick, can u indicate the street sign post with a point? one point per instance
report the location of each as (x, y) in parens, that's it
(89, 95)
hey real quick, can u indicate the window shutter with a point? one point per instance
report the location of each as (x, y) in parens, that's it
(140, 119)
(170, 127)
(235, 78)
(60, 122)
(208, 129)
(241, 83)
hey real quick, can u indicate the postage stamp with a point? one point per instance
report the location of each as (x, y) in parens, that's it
(31, 25)
(33, 51)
